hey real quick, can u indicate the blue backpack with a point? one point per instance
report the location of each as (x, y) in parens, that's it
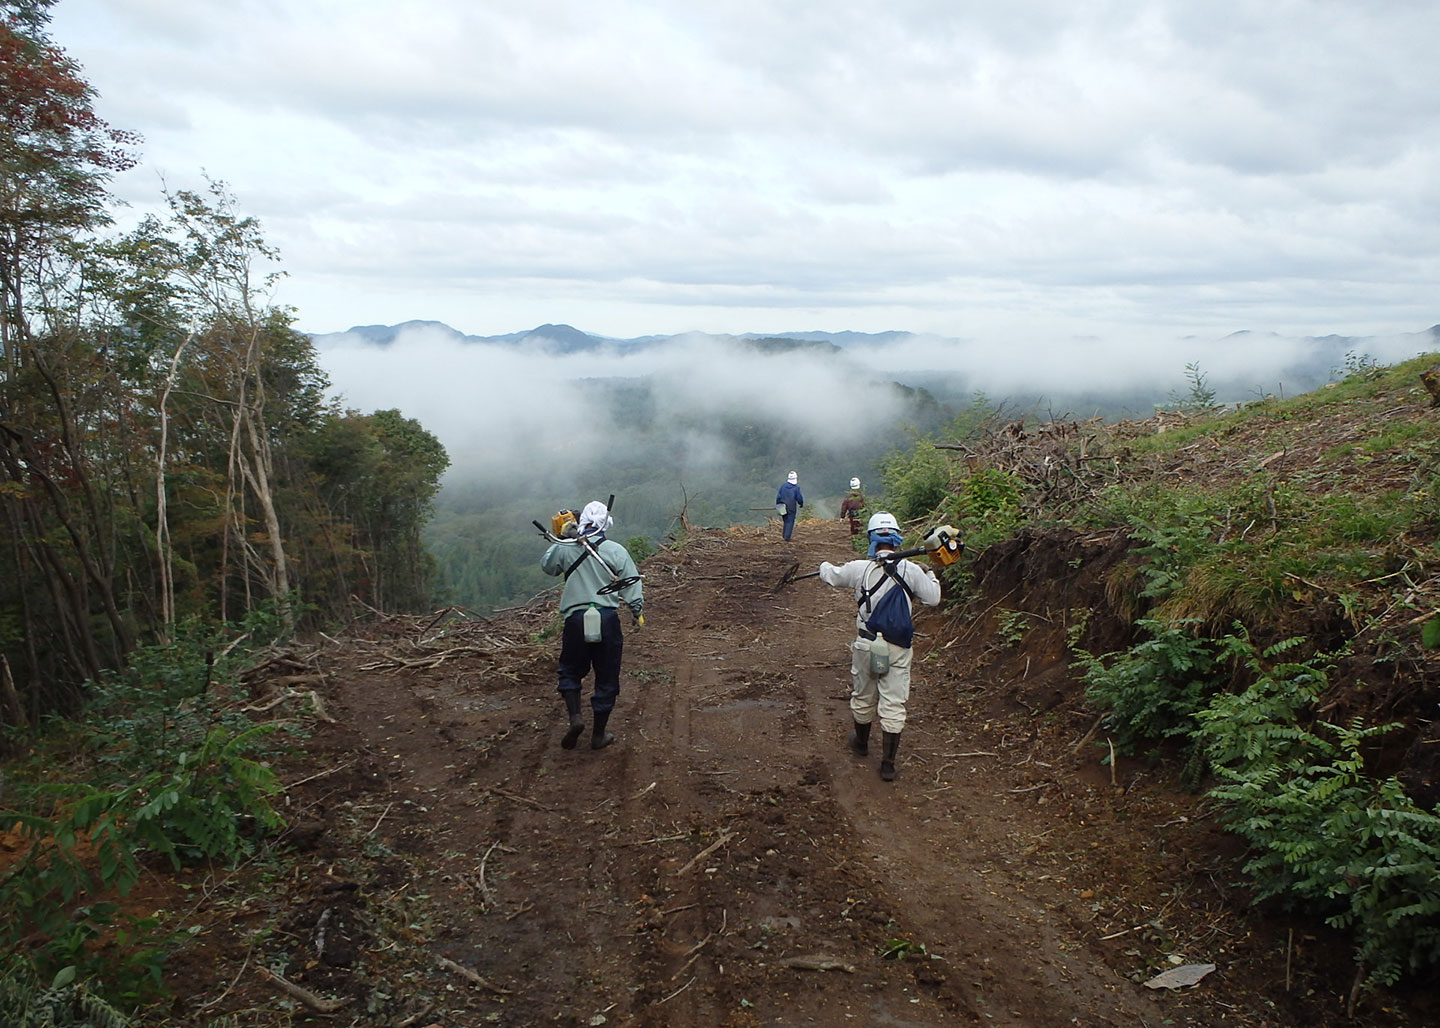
(890, 615)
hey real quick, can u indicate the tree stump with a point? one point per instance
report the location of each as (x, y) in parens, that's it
(1431, 378)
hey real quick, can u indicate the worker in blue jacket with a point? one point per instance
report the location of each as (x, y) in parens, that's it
(788, 502)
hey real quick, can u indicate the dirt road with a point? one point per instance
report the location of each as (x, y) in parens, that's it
(729, 861)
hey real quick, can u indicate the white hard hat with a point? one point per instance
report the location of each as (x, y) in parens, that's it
(854, 483)
(882, 520)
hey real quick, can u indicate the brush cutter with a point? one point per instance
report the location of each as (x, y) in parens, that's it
(555, 534)
(791, 576)
(943, 547)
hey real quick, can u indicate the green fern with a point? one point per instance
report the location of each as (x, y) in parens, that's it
(1327, 836)
(1152, 691)
(65, 1003)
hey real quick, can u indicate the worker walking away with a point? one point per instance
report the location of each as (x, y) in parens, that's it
(788, 502)
(852, 505)
(881, 653)
(591, 637)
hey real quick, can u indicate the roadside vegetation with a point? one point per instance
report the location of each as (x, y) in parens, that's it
(1282, 600)
(175, 495)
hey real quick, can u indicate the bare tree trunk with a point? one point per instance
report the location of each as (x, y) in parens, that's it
(163, 552)
(260, 482)
(10, 696)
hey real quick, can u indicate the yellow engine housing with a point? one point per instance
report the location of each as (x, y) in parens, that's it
(559, 520)
(947, 554)
(949, 550)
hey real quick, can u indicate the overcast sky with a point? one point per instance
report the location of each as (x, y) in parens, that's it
(1037, 170)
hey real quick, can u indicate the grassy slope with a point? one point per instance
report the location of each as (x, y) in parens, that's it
(1308, 525)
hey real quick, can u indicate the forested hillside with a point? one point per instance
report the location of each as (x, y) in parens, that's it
(166, 449)
(666, 474)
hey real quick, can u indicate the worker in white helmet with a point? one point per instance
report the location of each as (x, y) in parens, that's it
(852, 506)
(881, 653)
(599, 575)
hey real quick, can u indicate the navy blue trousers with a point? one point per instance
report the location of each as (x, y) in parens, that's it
(577, 657)
(787, 524)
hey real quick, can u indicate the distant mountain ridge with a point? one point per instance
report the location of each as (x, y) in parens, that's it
(566, 339)
(1320, 359)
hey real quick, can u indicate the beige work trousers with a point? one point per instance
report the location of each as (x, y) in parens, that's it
(883, 695)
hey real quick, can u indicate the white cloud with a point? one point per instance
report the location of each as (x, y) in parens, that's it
(1038, 169)
(497, 406)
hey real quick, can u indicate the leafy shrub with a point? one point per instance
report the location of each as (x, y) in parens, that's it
(986, 507)
(1327, 835)
(202, 806)
(65, 1003)
(639, 547)
(916, 481)
(1154, 690)
(1324, 834)
(162, 703)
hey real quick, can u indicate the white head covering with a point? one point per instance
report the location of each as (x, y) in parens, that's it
(854, 483)
(595, 518)
(792, 478)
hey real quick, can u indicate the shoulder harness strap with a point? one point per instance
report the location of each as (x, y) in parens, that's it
(585, 551)
(885, 566)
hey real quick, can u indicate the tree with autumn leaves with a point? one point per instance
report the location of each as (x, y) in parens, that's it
(166, 448)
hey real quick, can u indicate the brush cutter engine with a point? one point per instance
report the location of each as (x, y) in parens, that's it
(561, 520)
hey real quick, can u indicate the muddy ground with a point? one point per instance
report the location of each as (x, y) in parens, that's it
(729, 862)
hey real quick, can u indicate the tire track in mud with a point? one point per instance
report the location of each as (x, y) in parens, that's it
(574, 879)
(786, 885)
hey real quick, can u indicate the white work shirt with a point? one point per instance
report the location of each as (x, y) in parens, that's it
(863, 574)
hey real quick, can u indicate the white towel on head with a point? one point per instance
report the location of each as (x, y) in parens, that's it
(792, 478)
(595, 518)
(854, 483)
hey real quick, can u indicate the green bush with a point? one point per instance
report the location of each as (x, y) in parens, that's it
(639, 547)
(1327, 837)
(1324, 834)
(210, 803)
(1154, 690)
(65, 1003)
(916, 480)
(986, 507)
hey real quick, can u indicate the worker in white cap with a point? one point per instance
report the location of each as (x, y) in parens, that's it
(788, 502)
(592, 592)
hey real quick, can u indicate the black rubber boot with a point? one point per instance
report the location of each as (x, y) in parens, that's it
(887, 759)
(860, 740)
(599, 738)
(577, 723)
